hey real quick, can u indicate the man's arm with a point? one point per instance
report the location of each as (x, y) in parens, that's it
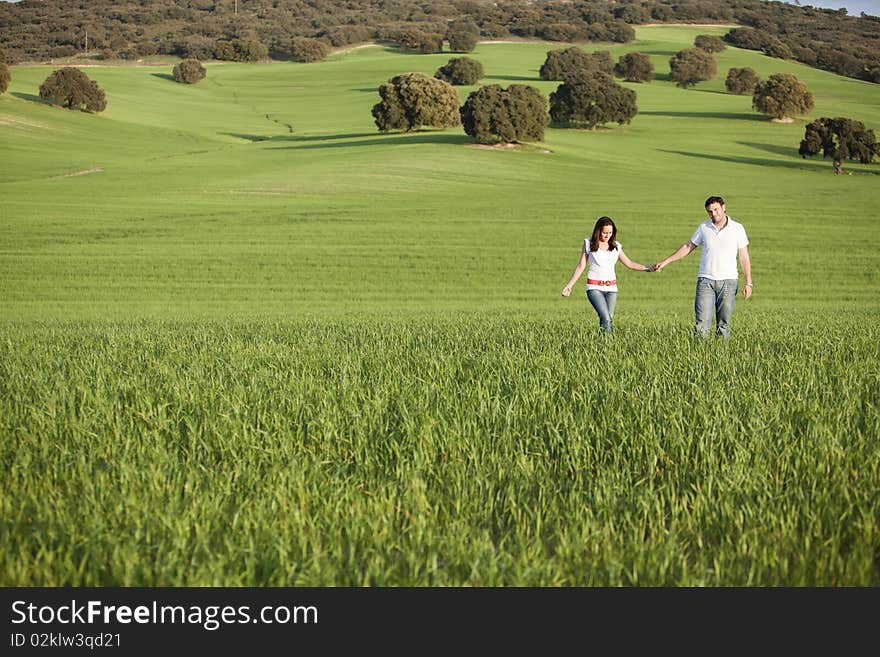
(678, 254)
(746, 263)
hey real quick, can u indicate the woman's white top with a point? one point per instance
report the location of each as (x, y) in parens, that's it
(602, 266)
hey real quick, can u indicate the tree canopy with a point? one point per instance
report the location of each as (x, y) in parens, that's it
(461, 41)
(634, 67)
(591, 98)
(241, 50)
(412, 100)
(839, 139)
(709, 43)
(71, 88)
(460, 71)
(462, 35)
(494, 115)
(426, 42)
(189, 71)
(306, 49)
(741, 80)
(692, 65)
(559, 63)
(782, 95)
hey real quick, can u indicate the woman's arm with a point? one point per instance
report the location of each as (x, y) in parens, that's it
(633, 265)
(578, 270)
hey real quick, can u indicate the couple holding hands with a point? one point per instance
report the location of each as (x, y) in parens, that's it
(721, 239)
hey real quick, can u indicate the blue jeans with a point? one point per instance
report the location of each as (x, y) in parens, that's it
(714, 298)
(604, 303)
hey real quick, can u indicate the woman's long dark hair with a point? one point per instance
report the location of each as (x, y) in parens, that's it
(601, 222)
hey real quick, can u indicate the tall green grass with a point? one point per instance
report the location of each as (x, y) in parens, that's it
(444, 452)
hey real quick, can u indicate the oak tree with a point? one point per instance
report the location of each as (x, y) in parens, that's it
(634, 67)
(741, 80)
(306, 49)
(494, 115)
(559, 63)
(412, 100)
(839, 139)
(460, 71)
(71, 88)
(591, 98)
(189, 71)
(782, 95)
(692, 65)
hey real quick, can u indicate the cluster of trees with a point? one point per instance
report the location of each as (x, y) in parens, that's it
(560, 63)
(462, 35)
(780, 96)
(249, 30)
(692, 65)
(833, 42)
(70, 87)
(489, 115)
(587, 97)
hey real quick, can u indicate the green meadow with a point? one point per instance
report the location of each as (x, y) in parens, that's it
(247, 339)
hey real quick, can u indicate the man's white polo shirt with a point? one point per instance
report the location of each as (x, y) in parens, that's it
(718, 260)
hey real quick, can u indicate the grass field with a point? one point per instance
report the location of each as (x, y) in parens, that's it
(247, 339)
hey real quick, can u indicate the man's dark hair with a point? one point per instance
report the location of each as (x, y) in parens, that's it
(713, 199)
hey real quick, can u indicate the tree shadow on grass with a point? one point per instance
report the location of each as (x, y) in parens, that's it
(772, 148)
(164, 76)
(515, 78)
(755, 161)
(709, 115)
(715, 91)
(792, 152)
(659, 53)
(31, 97)
(395, 138)
(372, 90)
(298, 138)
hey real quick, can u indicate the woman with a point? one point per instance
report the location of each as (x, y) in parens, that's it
(602, 251)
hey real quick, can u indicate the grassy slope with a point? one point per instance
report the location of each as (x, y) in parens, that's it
(266, 190)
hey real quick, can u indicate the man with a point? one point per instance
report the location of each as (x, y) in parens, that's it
(721, 239)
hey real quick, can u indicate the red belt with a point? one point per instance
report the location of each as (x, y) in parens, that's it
(591, 281)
